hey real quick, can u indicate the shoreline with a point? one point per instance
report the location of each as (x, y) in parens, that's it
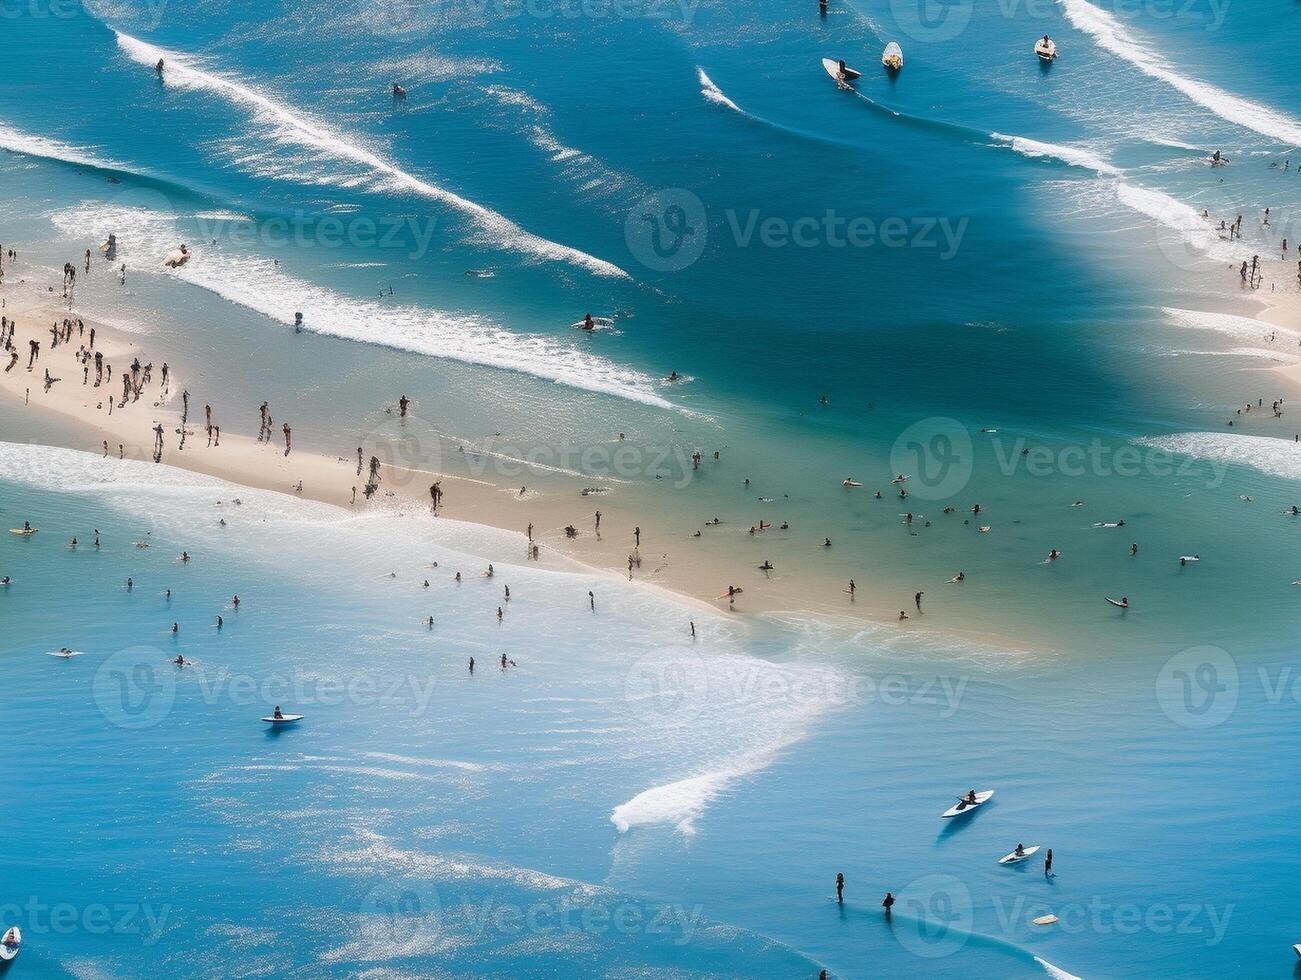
(83, 413)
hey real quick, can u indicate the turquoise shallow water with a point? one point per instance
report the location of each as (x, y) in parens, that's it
(1035, 288)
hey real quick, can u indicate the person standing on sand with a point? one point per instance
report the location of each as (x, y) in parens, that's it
(591, 600)
(598, 520)
(918, 600)
(286, 431)
(35, 353)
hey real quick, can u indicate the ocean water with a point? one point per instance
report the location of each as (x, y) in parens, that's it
(1030, 274)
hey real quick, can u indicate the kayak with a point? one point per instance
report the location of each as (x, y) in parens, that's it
(283, 720)
(1015, 858)
(962, 807)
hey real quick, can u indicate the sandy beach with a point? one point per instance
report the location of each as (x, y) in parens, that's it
(667, 557)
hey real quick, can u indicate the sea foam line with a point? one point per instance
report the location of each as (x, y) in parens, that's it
(1112, 36)
(1073, 155)
(292, 127)
(1274, 457)
(259, 285)
(17, 141)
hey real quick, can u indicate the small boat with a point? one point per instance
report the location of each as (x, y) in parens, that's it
(10, 943)
(283, 719)
(964, 807)
(840, 71)
(1015, 858)
(892, 57)
(1297, 949)
(1046, 48)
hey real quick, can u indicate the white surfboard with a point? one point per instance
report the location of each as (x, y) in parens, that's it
(1117, 603)
(283, 720)
(963, 807)
(1015, 858)
(1189, 558)
(24, 531)
(833, 69)
(65, 654)
(1045, 920)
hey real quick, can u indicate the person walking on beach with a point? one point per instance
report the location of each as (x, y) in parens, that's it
(286, 431)
(158, 441)
(598, 520)
(35, 349)
(591, 600)
(840, 886)
(917, 599)
(636, 536)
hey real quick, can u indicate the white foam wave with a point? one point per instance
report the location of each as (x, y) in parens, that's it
(1275, 457)
(1229, 324)
(17, 141)
(259, 285)
(1181, 218)
(713, 93)
(291, 127)
(680, 803)
(745, 688)
(1113, 36)
(1074, 155)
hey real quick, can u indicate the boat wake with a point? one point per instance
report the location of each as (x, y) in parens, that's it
(714, 94)
(289, 127)
(1112, 36)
